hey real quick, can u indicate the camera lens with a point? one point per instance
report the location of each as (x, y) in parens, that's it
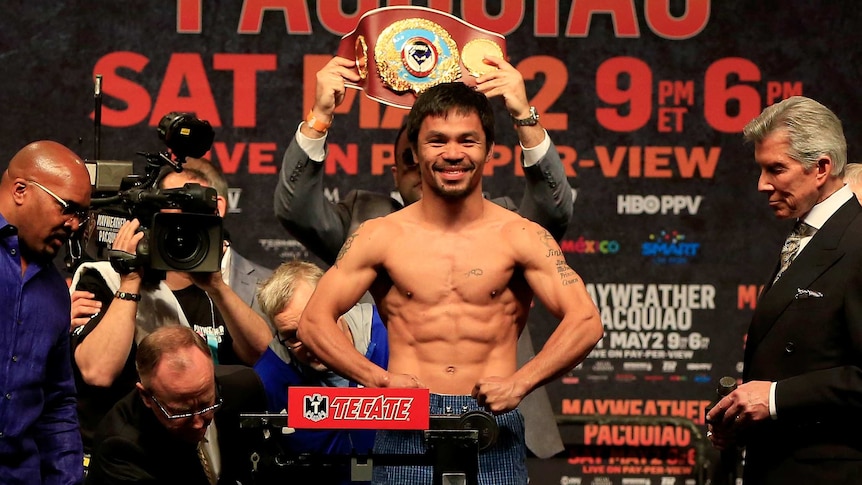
(186, 242)
(184, 247)
(186, 135)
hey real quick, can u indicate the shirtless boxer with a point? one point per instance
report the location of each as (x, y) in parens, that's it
(453, 275)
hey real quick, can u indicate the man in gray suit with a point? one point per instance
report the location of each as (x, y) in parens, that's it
(121, 309)
(798, 411)
(323, 227)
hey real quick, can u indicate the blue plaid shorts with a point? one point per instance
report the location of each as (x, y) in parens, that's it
(505, 463)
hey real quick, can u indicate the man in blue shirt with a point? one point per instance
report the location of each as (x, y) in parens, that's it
(286, 362)
(44, 196)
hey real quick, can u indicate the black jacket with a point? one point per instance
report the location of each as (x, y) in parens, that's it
(806, 335)
(133, 447)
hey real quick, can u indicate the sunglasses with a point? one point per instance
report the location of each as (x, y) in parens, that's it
(173, 417)
(71, 209)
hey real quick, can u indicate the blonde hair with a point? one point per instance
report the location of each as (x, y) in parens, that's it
(276, 292)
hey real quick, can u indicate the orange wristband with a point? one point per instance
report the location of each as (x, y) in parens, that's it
(315, 124)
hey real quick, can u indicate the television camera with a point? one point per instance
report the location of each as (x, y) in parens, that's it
(190, 240)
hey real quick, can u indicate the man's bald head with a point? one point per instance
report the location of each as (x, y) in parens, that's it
(47, 159)
(45, 185)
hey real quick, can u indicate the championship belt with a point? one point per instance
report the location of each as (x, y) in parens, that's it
(402, 51)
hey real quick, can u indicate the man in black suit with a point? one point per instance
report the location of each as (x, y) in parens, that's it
(181, 425)
(799, 411)
(323, 227)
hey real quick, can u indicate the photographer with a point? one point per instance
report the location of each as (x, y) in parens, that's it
(133, 305)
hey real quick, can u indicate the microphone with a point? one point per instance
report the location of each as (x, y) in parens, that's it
(725, 472)
(726, 385)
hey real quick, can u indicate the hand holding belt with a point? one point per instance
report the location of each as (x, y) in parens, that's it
(402, 51)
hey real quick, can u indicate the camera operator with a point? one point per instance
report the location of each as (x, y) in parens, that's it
(133, 305)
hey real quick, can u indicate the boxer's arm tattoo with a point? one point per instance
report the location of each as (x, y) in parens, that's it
(347, 244)
(545, 237)
(474, 272)
(566, 273)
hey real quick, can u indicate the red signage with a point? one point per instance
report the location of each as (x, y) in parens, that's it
(357, 408)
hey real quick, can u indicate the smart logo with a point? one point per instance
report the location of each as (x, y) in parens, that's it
(669, 247)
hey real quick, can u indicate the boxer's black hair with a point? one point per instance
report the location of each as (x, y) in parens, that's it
(443, 98)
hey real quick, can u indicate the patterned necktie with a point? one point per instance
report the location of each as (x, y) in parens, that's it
(205, 463)
(791, 246)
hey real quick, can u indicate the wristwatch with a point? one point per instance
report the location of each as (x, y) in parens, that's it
(122, 295)
(532, 120)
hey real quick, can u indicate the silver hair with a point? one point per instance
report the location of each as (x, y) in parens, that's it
(813, 131)
(277, 291)
(853, 173)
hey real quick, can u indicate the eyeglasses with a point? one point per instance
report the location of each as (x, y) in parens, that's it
(68, 208)
(173, 417)
(291, 343)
